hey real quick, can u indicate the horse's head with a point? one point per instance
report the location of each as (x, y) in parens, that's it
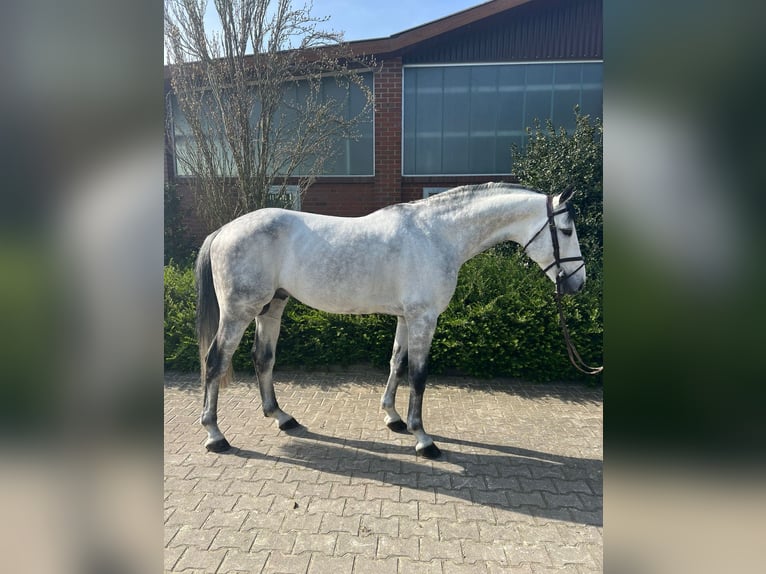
(553, 244)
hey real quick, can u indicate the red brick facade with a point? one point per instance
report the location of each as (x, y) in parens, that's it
(388, 133)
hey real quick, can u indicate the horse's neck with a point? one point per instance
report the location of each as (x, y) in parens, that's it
(484, 221)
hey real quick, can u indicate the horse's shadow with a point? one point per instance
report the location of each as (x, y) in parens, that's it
(504, 477)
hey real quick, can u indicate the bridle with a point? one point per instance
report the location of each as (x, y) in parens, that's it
(561, 278)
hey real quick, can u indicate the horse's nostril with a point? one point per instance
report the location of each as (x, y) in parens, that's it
(570, 286)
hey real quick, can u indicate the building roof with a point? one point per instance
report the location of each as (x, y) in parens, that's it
(409, 38)
(495, 31)
(401, 41)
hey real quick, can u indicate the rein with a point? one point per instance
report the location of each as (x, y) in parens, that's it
(561, 277)
(574, 356)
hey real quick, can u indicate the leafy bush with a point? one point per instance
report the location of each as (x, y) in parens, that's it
(313, 338)
(180, 308)
(554, 160)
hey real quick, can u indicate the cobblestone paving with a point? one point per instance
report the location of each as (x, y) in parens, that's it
(518, 488)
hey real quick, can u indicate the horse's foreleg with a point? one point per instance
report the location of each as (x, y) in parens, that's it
(267, 326)
(397, 374)
(217, 364)
(420, 335)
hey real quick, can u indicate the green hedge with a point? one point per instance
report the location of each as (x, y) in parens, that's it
(502, 322)
(180, 307)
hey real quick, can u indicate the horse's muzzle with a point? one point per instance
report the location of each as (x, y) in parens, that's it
(570, 285)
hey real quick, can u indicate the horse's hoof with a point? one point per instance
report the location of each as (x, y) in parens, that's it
(220, 445)
(397, 426)
(291, 423)
(431, 451)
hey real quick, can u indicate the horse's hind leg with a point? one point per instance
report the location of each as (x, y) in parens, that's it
(217, 364)
(397, 375)
(267, 326)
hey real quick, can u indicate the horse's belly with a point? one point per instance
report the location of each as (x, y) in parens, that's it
(341, 285)
(357, 299)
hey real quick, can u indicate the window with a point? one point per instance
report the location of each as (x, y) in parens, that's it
(353, 156)
(429, 191)
(463, 119)
(290, 198)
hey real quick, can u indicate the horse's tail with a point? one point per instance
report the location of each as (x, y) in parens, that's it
(208, 312)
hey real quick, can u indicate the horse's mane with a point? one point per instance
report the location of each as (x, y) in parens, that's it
(462, 195)
(469, 192)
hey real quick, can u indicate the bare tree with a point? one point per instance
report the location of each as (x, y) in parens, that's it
(254, 109)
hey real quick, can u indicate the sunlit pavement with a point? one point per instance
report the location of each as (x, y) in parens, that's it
(518, 487)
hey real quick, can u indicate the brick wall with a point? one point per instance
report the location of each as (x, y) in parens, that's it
(388, 133)
(347, 197)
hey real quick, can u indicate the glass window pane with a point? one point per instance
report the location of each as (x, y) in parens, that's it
(592, 73)
(568, 74)
(429, 103)
(537, 106)
(361, 160)
(540, 75)
(455, 154)
(483, 101)
(408, 154)
(482, 154)
(564, 102)
(331, 90)
(510, 112)
(484, 78)
(591, 103)
(409, 115)
(428, 155)
(358, 99)
(512, 76)
(503, 153)
(464, 119)
(428, 120)
(457, 81)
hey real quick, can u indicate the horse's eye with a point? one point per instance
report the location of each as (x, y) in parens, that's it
(566, 231)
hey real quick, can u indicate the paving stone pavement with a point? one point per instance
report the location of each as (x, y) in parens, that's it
(518, 488)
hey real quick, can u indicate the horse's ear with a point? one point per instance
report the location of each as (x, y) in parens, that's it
(566, 195)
